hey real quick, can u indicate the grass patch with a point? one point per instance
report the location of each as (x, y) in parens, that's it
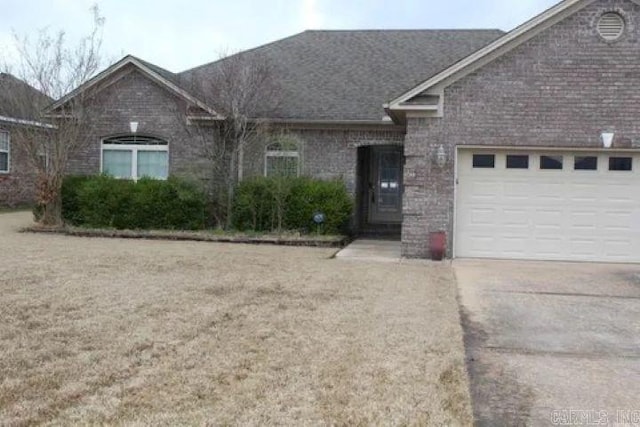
(6, 209)
(142, 332)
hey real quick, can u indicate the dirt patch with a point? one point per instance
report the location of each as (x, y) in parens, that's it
(108, 331)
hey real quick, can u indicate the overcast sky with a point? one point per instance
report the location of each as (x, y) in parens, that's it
(179, 34)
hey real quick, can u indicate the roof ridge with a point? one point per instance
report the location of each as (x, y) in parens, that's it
(383, 30)
(150, 64)
(262, 46)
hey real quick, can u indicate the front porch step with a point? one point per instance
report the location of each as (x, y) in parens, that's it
(382, 231)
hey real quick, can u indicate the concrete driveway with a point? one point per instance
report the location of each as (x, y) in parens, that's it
(544, 337)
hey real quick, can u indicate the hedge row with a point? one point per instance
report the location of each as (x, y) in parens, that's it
(260, 204)
(148, 204)
(275, 204)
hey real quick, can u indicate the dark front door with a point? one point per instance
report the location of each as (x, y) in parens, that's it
(385, 185)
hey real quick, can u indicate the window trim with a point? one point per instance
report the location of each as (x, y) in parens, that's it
(134, 149)
(280, 153)
(7, 151)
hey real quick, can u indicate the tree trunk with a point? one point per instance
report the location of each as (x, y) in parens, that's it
(52, 215)
(231, 186)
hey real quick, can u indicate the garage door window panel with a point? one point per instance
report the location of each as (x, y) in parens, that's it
(621, 164)
(586, 163)
(517, 162)
(484, 161)
(551, 162)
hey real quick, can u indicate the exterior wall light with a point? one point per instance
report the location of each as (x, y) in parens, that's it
(607, 139)
(441, 156)
(134, 127)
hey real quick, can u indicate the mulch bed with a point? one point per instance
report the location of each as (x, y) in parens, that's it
(317, 241)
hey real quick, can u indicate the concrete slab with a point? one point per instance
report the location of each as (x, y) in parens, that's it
(372, 250)
(544, 337)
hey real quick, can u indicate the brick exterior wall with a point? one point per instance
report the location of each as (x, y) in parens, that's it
(324, 153)
(560, 89)
(327, 154)
(18, 187)
(136, 98)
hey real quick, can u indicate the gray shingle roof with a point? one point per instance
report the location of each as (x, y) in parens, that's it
(19, 100)
(172, 77)
(348, 75)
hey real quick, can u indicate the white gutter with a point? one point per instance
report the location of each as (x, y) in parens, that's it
(26, 122)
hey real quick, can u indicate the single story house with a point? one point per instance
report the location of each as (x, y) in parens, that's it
(519, 145)
(18, 174)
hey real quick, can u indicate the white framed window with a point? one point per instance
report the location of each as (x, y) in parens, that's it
(282, 159)
(5, 152)
(135, 157)
(43, 158)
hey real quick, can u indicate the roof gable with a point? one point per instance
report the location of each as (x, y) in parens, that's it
(411, 101)
(159, 75)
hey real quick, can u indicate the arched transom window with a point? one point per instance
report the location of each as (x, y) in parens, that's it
(282, 159)
(135, 157)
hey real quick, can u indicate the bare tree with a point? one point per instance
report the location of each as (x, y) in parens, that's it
(55, 67)
(242, 89)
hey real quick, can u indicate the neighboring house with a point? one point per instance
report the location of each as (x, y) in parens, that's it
(523, 145)
(18, 103)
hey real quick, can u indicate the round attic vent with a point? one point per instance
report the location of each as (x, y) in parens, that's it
(611, 26)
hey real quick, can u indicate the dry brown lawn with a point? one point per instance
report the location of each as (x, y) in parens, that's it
(107, 331)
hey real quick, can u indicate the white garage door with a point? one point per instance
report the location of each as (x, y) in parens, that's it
(548, 205)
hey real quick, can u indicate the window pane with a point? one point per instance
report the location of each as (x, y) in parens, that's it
(551, 162)
(282, 166)
(4, 162)
(154, 164)
(620, 163)
(117, 163)
(586, 163)
(484, 161)
(4, 141)
(517, 162)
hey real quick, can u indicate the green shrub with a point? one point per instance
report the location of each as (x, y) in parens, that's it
(254, 205)
(70, 205)
(105, 202)
(275, 204)
(309, 196)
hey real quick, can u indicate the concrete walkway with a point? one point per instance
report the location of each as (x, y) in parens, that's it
(372, 250)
